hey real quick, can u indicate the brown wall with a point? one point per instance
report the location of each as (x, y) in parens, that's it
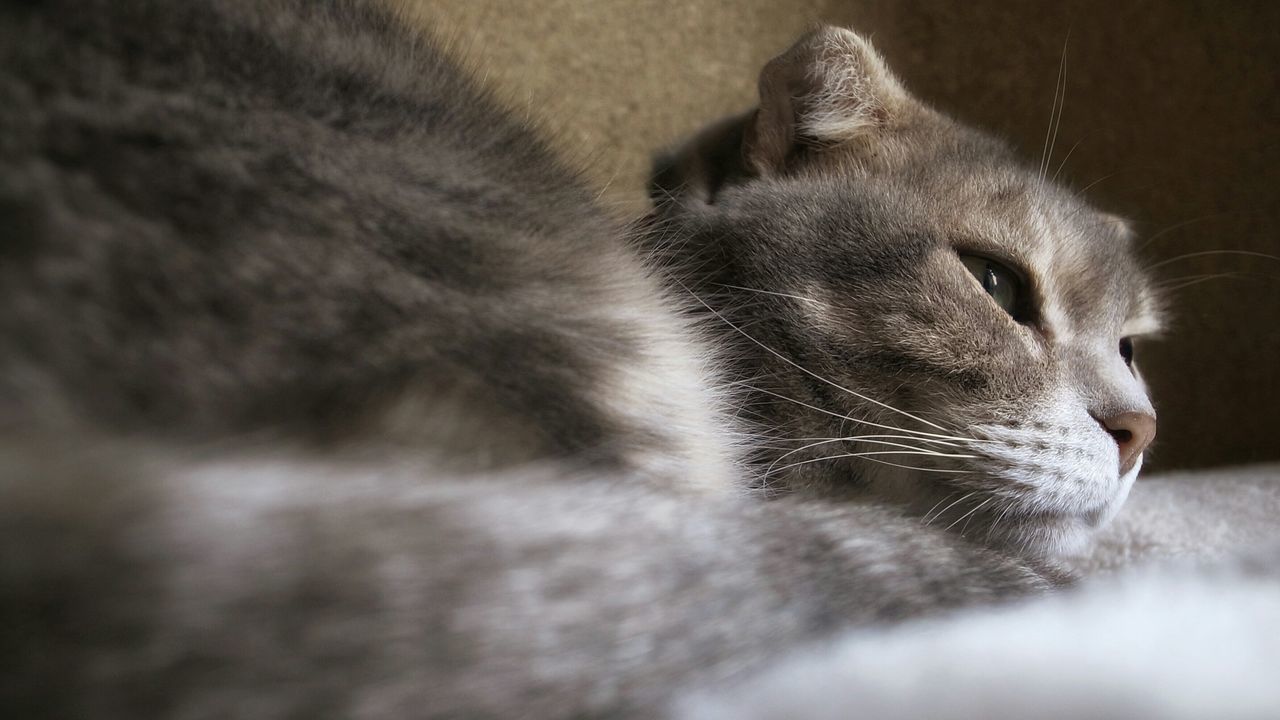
(1172, 109)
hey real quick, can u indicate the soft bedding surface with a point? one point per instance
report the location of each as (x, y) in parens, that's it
(1178, 617)
(1204, 515)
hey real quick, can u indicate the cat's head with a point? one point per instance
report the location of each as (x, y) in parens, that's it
(894, 276)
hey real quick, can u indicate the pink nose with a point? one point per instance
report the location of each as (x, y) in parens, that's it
(1133, 432)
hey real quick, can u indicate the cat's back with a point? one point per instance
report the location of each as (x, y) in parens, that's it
(228, 216)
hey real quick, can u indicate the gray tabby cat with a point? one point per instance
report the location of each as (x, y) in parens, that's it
(327, 391)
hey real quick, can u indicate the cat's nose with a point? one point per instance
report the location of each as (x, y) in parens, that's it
(1133, 432)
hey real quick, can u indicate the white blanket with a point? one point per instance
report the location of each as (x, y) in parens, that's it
(1181, 619)
(1206, 515)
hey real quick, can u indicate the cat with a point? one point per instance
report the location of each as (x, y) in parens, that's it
(327, 390)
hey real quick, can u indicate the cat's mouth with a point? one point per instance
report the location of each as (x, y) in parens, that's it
(1036, 508)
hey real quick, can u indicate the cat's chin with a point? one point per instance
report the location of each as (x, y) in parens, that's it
(1045, 536)
(1033, 526)
(1061, 534)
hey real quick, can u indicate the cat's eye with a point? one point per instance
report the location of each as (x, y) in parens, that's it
(999, 281)
(1126, 350)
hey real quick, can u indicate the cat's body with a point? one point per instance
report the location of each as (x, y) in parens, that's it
(327, 391)
(334, 236)
(279, 585)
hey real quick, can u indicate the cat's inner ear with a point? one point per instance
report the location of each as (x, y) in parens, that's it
(830, 88)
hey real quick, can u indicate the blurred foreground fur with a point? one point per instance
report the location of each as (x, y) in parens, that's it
(327, 391)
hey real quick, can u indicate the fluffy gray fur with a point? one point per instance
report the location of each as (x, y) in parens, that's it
(327, 391)
(273, 586)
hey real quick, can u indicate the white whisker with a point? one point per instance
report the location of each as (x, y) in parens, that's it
(969, 514)
(850, 418)
(945, 498)
(914, 438)
(1203, 253)
(770, 292)
(1178, 226)
(868, 456)
(870, 439)
(944, 510)
(1050, 133)
(1007, 507)
(1174, 285)
(1064, 160)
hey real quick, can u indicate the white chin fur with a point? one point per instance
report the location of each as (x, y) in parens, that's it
(1071, 534)
(1122, 494)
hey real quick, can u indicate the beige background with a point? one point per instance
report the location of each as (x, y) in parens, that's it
(1172, 109)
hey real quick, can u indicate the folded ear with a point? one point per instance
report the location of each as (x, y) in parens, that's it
(830, 88)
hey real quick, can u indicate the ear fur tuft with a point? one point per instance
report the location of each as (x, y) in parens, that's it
(853, 90)
(831, 88)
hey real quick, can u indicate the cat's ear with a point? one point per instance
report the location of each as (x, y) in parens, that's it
(830, 88)
(696, 169)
